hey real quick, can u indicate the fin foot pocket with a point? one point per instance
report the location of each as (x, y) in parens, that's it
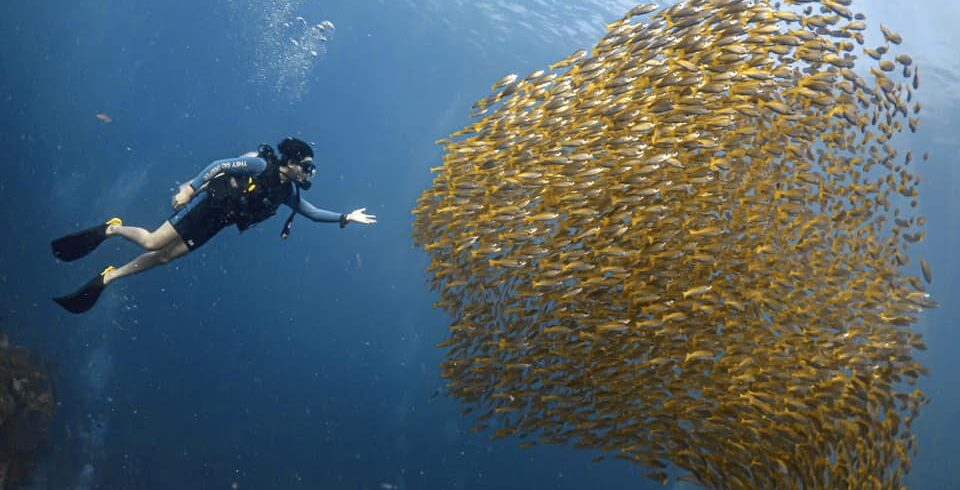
(84, 298)
(79, 244)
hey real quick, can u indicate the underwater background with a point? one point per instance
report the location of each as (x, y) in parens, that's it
(310, 363)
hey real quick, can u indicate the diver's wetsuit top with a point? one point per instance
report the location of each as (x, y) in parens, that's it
(201, 219)
(251, 167)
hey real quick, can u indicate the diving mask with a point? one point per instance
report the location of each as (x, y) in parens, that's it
(308, 168)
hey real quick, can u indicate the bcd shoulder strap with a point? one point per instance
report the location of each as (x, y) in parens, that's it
(266, 152)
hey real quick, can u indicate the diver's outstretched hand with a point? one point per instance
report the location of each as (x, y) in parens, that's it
(360, 216)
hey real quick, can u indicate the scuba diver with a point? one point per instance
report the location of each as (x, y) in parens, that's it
(238, 191)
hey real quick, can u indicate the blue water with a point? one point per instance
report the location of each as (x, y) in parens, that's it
(310, 363)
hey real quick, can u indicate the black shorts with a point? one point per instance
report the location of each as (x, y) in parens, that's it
(200, 220)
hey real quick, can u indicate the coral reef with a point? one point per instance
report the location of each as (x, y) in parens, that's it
(26, 407)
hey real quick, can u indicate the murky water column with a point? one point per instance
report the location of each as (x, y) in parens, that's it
(93, 430)
(286, 46)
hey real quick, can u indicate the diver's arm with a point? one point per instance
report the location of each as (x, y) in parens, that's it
(314, 213)
(247, 164)
(310, 211)
(244, 165)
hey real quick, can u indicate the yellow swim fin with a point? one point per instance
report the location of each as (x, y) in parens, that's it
(84, 298)
(79, 244)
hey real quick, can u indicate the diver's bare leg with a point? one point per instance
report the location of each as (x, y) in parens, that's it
(156, 240)
(149, 260)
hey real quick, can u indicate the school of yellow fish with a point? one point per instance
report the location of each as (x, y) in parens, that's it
(687, 248)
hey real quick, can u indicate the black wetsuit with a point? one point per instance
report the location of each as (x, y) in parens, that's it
(210, 211)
